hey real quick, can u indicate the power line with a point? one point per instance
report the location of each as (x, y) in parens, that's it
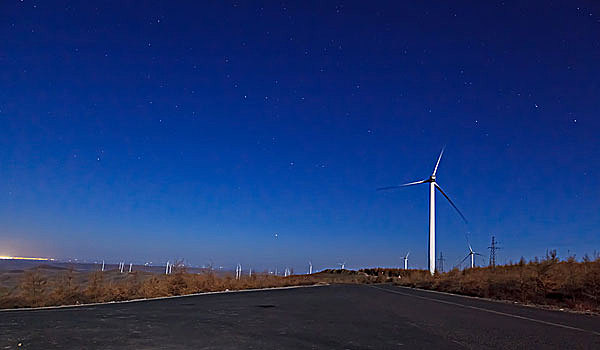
(493, 247)
(441, 260)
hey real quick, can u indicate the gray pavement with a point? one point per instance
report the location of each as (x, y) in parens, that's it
(327, 317)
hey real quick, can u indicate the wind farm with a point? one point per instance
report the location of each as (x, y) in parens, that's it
(299, 175)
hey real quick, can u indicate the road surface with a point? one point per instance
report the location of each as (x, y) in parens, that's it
(327, 317)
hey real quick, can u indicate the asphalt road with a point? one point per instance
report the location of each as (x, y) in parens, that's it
(328, 317)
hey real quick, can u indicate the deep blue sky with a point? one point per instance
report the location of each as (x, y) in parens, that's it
(151, 130)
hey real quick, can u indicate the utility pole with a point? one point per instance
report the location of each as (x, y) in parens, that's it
(441, 260)
(493, 247)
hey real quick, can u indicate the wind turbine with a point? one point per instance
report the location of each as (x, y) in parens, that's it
(432, 186)
(238, 271)
(406, 261)
(342, 265)
(310, 267)
(472, 255)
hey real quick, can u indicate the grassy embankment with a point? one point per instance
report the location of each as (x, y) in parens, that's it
(548, 281)
(47, 287)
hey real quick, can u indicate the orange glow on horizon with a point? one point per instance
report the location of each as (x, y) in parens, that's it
(23, 258)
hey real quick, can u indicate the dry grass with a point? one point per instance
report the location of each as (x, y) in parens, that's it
(38, 288)
(548, 281)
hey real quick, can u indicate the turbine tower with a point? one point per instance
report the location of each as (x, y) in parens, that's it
(406, 261)
(310, 267)
(432, 186)
(472, 255)
(238, 271)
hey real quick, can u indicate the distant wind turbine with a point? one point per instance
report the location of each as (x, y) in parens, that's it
(102, 265)
(238, 271)
(342, 265)
(130, 266)
(310, 267)
(406, 261)
(432, 186)
(167, 268)
(472, 255)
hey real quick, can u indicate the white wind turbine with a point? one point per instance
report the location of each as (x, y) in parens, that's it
(238, 271)
(472, 255)
(432, 186)
(406, 261)
(310, 267)
(342, 265)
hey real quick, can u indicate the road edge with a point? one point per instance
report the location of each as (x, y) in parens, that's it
(75, 306)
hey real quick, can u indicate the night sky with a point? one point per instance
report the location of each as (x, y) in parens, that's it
(257, 132)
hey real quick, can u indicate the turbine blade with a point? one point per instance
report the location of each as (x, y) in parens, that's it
(463, 260)
(438, 161)
(452, 203)
(400, 186)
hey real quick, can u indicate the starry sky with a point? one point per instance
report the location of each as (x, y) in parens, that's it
(257, 132)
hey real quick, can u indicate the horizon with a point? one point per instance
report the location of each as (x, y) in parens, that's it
(258, 133)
